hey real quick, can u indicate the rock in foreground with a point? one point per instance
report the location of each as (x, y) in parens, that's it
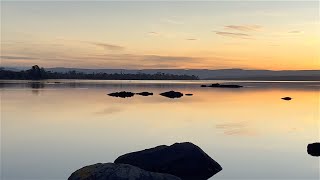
(111, 171)
(314, 149)
(172, 94)
(184, 160)
(122, 94)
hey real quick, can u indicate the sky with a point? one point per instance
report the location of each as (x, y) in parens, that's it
(275, 35)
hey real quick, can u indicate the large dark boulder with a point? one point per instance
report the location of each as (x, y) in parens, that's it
(111, 171)
(172, 94)
(184, 160)
(314, 149)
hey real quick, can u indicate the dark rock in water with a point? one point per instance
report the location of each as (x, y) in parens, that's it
(189, 94)
(314, 149)
(172, 94)
(222, 85)
(184, 160)
(145, 94)
(225, 85)
(122, 94)
(111, 171)
(215, 85)
(286, 98)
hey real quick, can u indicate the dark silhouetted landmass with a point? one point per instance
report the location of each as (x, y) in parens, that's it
(216, 74)
(37, 73)
(206, 74)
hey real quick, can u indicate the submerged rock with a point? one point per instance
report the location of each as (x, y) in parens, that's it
(286, 98)
(172, 94)
(184, 160)
(111, 171)
(222, 85)
(122, 94)
(145, 93)
(314, 149)
(189, 94)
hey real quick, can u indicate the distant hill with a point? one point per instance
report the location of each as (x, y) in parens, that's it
(207, 74)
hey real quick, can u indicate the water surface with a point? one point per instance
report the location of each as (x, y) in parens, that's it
(51, 128)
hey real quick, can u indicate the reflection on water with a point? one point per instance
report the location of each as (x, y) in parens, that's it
(251, 131)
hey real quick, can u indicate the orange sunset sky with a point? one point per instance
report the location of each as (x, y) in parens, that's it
(136, 35)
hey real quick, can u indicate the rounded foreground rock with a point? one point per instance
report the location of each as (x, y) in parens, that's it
(111, 171)
(184, 160)
(314, 149)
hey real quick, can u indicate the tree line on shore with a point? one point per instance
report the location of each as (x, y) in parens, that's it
(38, 73)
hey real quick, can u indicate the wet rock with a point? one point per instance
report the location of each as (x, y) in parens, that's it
(184, 160)
(203, 85)
(172, 94)
(111, 171)
(314, 149)
(145, 93)
(189, 94)
(122, 94)
(286, 98)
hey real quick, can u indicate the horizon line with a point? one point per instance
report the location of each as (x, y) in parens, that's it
(160, 68)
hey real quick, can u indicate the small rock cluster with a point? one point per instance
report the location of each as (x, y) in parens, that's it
(168, 94)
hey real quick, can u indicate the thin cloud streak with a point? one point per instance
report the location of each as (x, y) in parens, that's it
(145, 58)
(244, 28)
(153, 33)
(108, 46)
(233, 35)
(17, 58)
(295, 32)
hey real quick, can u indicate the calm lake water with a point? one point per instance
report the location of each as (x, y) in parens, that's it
(48, 130)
